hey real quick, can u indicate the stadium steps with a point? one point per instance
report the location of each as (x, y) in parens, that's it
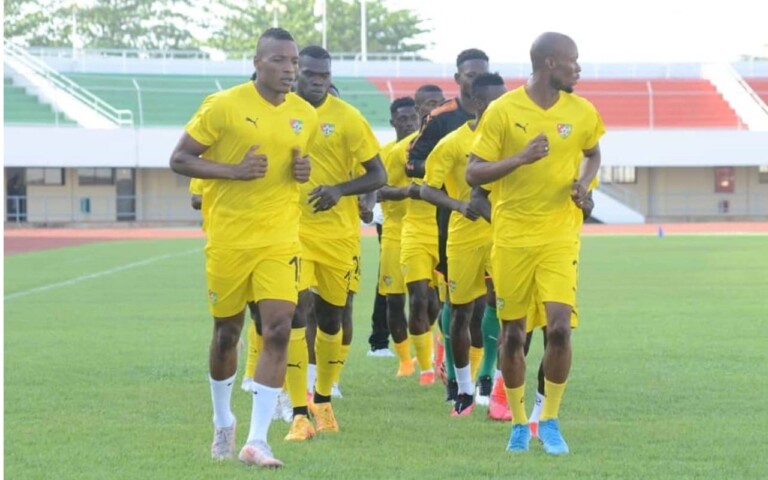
(677, 103)
(760, 86)
(172, 99)
(739, 94)
(22, 108)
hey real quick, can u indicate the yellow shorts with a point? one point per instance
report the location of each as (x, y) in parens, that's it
(551, 270)
(236, 277)
(390, 272)
(418, 262)
(537, 315)
(326, 267)
(467, 268)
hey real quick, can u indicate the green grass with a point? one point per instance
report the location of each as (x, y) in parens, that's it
(107, 377)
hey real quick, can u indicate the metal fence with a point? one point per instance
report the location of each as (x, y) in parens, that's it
(176, 209)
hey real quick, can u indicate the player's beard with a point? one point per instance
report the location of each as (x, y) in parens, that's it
(558, 85)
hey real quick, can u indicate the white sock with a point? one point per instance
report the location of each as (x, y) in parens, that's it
(311, 376)
(464, 379)
(536, 413)
(221, 394)
(264, 403)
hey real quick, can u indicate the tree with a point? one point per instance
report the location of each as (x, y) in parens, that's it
(388, 31)
(141, 24)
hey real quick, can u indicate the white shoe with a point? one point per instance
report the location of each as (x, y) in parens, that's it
(380, 352)
(223, 445)
(336, 391)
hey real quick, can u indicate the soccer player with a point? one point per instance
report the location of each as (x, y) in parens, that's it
(469, 236)
(441, 121)
(330, 226)
(533, 141)
(404, 117)
(250, 143)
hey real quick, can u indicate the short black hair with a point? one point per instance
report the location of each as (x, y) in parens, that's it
(315, 51)
(470, 54)
(486, 80)
(401, 102)
(277, 33)
(429, 88)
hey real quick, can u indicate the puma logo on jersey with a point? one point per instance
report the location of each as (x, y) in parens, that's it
(295, 365)
(251, 120)
(524, 128)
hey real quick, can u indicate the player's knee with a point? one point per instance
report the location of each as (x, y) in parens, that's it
(396, 303)
(226, 335)
(513, 339)
(558, 334)
(418, 303)
(278, 332)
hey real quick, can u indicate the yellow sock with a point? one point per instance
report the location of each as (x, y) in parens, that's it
(516, 401)
(255, 345)
(343, 354)
(328, 357)
(403, 350)
(423, 346)
(296, 374)
(554, 395)
(475, 357)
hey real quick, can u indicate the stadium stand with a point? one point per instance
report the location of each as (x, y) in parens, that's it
(23, 108)
(760, 86)
(172, 99)
(625, 103)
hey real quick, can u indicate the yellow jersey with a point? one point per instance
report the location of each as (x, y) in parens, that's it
(264, 211)
(447, 165)
(394, 159)
(532, 204)
(344, 140)
(420, 219)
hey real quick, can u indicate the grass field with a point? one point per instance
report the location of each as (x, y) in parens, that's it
(106, 373)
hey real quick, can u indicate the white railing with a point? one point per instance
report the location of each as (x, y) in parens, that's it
(120, 117)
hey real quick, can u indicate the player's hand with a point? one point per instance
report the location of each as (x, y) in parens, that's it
(253, 165)
(536, 149)
(469, 211)
(300, 165)
(366, 214)
(579, 194)
(414, 191)
(324, 197)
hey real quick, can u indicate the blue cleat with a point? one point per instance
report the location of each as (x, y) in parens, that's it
(551, 438)
(520, 438)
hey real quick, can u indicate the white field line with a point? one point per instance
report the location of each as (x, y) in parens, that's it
(91, 276)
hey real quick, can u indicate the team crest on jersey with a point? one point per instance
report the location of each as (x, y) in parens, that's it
(296, 126)
(327, 129)
(451, 285)
(499, 303)
(387, 280)
(564, 129)
(212, 296)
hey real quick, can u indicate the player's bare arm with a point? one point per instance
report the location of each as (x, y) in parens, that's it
(186, 160)
(300, 166)
(388, 193)
(439, 198)
(480, 202)
(590, 167)
(480, 171)
(325, 197)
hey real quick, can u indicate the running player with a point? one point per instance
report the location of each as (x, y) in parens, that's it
(533, 141)
(469, 236)
(329, 235)
(251, 141)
